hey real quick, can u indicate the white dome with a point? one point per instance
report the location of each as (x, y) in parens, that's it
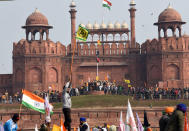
(103, 26)
(96, 26)
(124, 25)
(72, 4)
(89, 26)
(132, 2)
(82, 25)
(110, 26)
(117, 25)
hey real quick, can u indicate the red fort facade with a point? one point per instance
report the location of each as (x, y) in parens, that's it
(39, 62)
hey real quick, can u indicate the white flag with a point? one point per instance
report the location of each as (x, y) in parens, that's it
(121, 123)
(139, 124)
(130, 120)
(1, 126)
(47, 106)
(36, 129)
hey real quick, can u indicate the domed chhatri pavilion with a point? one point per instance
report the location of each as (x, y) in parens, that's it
(39, 62)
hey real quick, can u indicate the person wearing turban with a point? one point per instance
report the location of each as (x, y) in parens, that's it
(83, 126)
(176, 121)
(165, 118)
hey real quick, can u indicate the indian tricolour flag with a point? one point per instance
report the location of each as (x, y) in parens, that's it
(106, 3)
(34, 102)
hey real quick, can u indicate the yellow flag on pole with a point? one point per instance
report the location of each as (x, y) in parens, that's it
(97, 78)
(127, 81)
(82, 33)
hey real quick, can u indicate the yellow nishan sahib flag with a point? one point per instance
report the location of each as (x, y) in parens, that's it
(82, 33)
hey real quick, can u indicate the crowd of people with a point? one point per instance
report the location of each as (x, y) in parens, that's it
(173, 119)
(109, 88)
(5, 98)
(137, 92)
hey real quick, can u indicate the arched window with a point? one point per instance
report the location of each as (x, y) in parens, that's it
(35, 75)
(110, 37)
(162, 33)
(169, 32)
(177, 32)
(29, 36)
(124, 37)
(44, 36)
(172, 72)
(37, 36)
(52, 75)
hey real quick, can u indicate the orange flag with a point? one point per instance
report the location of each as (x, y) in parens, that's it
(62, 125)
(185, 123)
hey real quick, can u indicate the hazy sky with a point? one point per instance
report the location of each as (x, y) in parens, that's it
(13, 15)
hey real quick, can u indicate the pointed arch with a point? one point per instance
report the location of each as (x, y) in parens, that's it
(53, 75)
(172, 72)
(35, 75)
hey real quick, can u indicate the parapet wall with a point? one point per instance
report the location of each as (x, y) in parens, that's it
(23, 47)
(94, 116)
(169, 44)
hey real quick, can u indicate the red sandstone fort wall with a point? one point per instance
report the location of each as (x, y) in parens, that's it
(94, 117)
(5, 82)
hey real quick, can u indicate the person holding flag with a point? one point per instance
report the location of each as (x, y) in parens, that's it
(67, 103)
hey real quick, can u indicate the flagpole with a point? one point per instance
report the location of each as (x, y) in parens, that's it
(97, 69)
(20, 111)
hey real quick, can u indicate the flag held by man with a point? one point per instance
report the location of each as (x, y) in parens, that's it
(121, 123)
(130, 120)
(82, 33)
(139, 124)
(34, 102)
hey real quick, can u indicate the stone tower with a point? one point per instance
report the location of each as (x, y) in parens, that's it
(167, 57)
(132, 23)
(36, 59)
(73, 26)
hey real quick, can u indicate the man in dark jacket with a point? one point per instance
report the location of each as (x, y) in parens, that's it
(176, 122)
(83, 126)
(165, 118)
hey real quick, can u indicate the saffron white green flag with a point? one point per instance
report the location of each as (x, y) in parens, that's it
(34, 102)
(107, 4)
(130, 120)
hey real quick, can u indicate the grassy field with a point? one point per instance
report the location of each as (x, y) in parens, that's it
(91, 101)
(117, 101)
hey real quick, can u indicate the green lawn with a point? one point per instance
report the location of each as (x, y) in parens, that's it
(117, 101)
(91, 101)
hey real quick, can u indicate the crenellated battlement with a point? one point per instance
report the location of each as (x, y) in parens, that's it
(24, 47)
(169, 44)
